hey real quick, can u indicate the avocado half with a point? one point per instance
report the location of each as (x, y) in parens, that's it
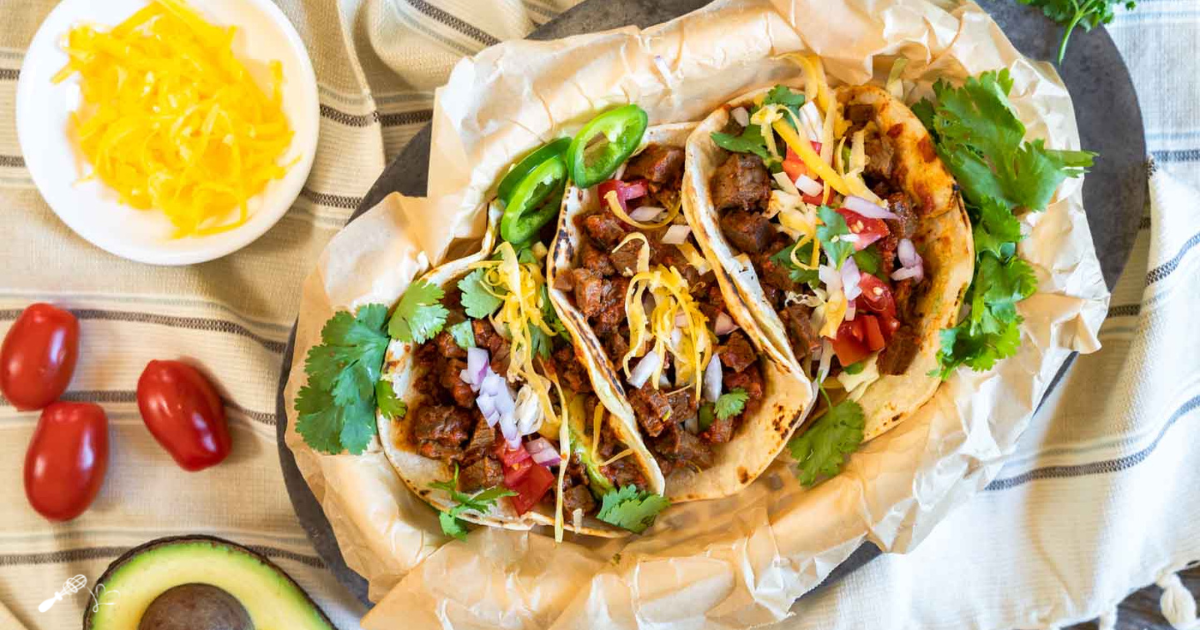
(169, 583)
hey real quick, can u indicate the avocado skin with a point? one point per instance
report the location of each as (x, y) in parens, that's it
(217, 544)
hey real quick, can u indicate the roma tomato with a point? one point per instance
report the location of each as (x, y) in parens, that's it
(868, 230)
(184, 413)
(66, 460)
(38, 356)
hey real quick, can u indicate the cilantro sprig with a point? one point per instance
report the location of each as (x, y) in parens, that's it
(631, 508)
(1071, 13)
(821, 450)
(478, 297)
(751, 139)
(982, 141)
(337, 406)
(783, 258)
(463, 334)
(481, 502)
(730, 403)
(419, 316)
(830, 235)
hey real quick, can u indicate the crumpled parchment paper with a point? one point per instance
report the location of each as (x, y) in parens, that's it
(739, 561)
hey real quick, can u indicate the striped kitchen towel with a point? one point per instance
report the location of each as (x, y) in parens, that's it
(1100, 498)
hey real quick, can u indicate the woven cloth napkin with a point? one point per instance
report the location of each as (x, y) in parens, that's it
(1099, 499)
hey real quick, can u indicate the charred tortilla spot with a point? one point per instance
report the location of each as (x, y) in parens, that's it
(743, 475)
(895, 130)
(927, 151)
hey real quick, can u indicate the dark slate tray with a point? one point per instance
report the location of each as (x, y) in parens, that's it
(1115, 193)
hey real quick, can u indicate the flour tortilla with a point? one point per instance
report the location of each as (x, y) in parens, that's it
(943, 239)
(788, 396)
(419, 471)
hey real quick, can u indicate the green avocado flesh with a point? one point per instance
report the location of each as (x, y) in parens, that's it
(270, 598)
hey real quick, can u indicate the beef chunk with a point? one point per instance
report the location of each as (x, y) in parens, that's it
(589, 292)
(625, 472)
(798, 324)
(449, 378)
(485, 473)
(658, 163)
(482, 439)
(682, 448)
(594, 259)
(497, 346)
(683, 405)
(880, 156)
(604, 228)
(720, 431)
(774, 274)
(736, 353)
(571, 369)
(625, 258)
(900, 351)
(651, 408)
(859, 115)
(612, 304)
(616, 344)
(751, 381)
(906, 227)
(749, 232)
(710, 301)
(577, 498)
(447, 347)
(741, 183)
(439, 431)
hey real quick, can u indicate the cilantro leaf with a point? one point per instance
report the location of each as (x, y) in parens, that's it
(821, 450)
(978, 351)
(387, 401)
(476, 298)
(463, 334)
(834, 226)
(539, 341)
(1072, 13)
(750, 141)
(336, 408)
(782, 95)
(481, 502)
(731, 403)
(631, 508)
(996, 229)
(783, 258)
(997, 288)
(854, 368)
(868, 260)
(419, 315)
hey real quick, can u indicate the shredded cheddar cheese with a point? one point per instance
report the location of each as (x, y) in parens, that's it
(614, 204)
(172, 120)
(691, 349)
(643, 260)
(810, 158)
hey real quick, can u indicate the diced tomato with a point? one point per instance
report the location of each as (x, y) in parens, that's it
(625, 190)
(888, 324)
(876, 295)
(510, 456)
(868, 230)
(873, 333)
(532, 485)
(849, 344)
(795, 167)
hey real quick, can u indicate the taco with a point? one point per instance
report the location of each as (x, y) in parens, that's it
(635, 292)
(499, 403)
(841, 233)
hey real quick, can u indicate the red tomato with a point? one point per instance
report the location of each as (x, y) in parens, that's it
(184, 413)
(849, 345)
(868, 230)
(876, 295)
(625, 190)
(530, 487)
(38, 356)
(872, 332)
(795, 167)
(66, 460)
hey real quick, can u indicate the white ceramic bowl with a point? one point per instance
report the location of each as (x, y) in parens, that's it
(90, 208)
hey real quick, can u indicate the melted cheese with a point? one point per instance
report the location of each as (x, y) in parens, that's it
(172, 120)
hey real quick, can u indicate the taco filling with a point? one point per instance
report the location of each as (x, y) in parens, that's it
(496, 387)
(652, 299)
(814, 202)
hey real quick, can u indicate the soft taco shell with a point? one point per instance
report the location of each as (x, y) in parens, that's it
(943, 239)
(419, 471)
(759, 439)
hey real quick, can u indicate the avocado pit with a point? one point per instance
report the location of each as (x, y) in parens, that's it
(196, 607)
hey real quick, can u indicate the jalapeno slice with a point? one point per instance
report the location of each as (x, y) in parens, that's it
(593, 162)
(528, 163)
(540, 188)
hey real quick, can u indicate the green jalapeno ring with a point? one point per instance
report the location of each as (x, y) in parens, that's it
(541, 188)
(552, 149)
(623, 127)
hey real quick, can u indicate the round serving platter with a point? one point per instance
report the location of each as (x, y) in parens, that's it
(1114, 193)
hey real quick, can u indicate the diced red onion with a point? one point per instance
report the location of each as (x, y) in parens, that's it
(868, 209)
(724, 324)
(851, 311)
(543, 452)
(741, 116)
(642, 371)
(907, 253)
(850, 276)
(809, 186)
(663, 381)
(477, 365)
(577, 518)
(692, 425)
(831, 277)
(906, 273)
(645, 213)
(528, 412)
(676, 234)
(712, 379)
